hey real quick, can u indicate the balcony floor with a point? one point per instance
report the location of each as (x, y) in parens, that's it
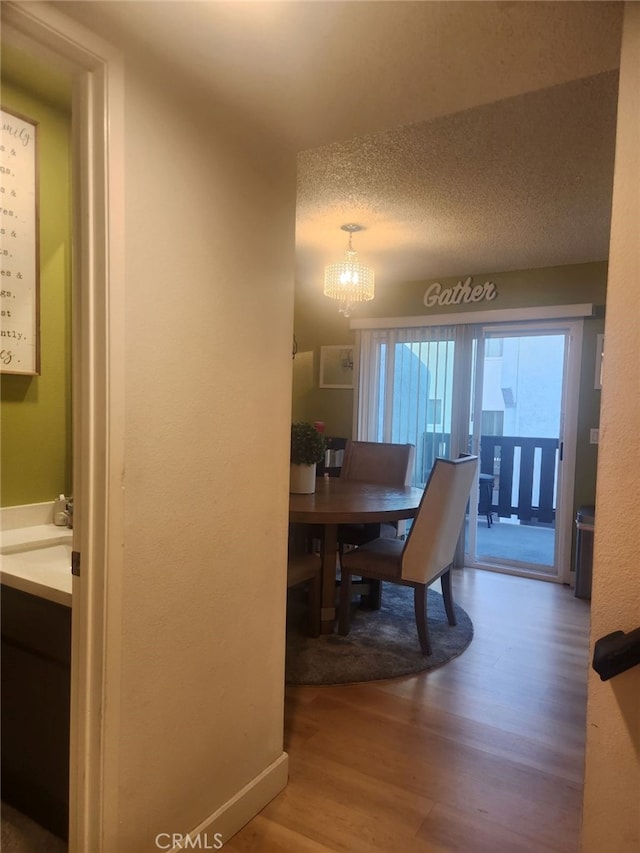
(523, 543)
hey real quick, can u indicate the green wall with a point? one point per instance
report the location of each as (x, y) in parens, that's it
(318, 323)
(36, 410)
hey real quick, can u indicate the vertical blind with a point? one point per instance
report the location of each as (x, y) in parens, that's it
(405, 390)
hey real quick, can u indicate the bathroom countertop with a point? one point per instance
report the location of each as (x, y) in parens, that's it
(34, 536)
(37, 560)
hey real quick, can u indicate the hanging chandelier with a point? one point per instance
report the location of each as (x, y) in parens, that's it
(349, 281)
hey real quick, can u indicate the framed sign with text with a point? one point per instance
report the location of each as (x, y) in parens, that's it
(19, 246)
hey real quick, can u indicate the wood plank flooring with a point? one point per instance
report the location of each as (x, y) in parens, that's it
(484, 755)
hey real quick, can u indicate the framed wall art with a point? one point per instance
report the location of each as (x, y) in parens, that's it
(336, 366)
(19, 246)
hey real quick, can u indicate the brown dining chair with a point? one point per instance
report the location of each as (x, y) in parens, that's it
(378, 462)
(374, 462)
(426, 554)
(306, 569)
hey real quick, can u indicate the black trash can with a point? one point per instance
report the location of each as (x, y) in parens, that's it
(585, 520)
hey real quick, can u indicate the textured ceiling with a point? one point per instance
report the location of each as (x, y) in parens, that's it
(522, 183)
(466, 137)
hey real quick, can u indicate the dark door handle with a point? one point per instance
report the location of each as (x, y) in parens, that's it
(616, 653)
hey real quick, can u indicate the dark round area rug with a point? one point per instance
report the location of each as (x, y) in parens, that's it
(382, 643)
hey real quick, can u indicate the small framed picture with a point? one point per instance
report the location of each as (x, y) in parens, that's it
(336, 366)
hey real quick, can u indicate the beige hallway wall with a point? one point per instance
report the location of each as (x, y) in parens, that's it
(611, 820)
(209, 229)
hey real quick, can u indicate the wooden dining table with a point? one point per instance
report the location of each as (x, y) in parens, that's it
(341, 501)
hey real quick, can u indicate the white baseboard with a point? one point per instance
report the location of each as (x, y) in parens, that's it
(216, 830)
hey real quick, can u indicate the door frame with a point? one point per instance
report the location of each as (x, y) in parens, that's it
(573, 329)
(96, 71)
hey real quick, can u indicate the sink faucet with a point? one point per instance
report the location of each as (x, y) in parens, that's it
(69, 510)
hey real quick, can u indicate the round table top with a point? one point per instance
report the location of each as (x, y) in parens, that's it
(343, 501)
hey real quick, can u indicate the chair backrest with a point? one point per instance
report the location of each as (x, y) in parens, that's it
(378, 462)
(432, 540)
(333, 457)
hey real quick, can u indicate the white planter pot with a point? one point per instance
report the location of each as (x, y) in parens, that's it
(302, 480)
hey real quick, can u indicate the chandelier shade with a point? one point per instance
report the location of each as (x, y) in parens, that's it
(349, 281)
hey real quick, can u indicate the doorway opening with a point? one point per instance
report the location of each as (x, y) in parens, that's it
(97, 400)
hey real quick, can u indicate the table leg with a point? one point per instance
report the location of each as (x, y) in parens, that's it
(372, 600)
(329, 557)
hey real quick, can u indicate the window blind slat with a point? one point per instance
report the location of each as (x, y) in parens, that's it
(405, 390)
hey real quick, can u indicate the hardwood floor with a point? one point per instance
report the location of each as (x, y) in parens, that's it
(484, 755)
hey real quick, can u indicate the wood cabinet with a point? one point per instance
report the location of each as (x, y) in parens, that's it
(36, 680)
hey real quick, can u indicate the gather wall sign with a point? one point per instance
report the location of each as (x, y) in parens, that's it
(463, 292)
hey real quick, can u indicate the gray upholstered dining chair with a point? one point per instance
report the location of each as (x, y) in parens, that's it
(426, 554)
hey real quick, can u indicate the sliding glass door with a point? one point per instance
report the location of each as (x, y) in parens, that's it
(517, 426)
(507, 393)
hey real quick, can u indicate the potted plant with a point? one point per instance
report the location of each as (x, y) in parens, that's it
(307, 449)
